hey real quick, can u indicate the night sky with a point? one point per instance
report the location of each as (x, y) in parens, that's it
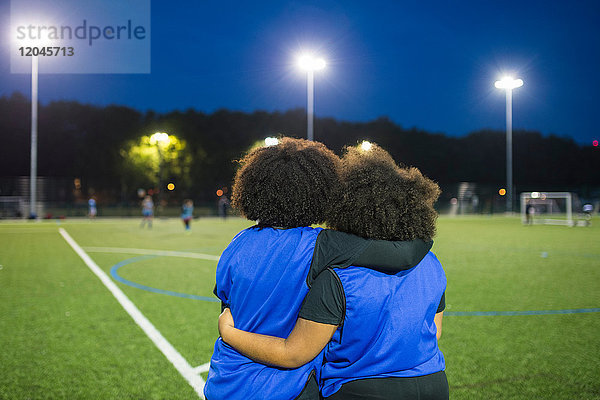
(425, 64)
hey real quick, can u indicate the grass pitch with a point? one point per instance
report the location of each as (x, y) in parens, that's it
(63, 334)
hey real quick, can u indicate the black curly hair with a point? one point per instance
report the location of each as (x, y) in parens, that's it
(288, 185)
(380, 200)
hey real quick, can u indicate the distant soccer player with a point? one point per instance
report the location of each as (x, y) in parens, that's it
(187, 213)
(383, 328)
(266, 270)
(587, 212)
(223, 206)
(147, 211)
(92, 210)
(529, 212)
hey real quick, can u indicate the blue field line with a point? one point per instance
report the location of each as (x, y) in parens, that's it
(517, 313)
(117, 277)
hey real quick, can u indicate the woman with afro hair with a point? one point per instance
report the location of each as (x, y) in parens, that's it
(266, 271)
(379, 331)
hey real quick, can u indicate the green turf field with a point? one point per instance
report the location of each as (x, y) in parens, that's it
(64, 335)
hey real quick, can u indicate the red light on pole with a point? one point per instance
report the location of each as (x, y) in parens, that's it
(595, 143)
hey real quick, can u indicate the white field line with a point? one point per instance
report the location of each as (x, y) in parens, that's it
(167, 253)
(202, 368)
(180, 363)
(41, 229)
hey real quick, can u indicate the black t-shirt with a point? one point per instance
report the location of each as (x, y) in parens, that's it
(326, 302)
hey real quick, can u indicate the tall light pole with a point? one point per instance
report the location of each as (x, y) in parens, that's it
(40, 42)
(310, 64)
(34, 134)
(508, 83)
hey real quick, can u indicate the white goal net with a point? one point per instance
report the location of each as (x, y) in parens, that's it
(554, 208)
(11, 207)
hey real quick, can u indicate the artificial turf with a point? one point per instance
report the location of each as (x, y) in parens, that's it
(63, 335)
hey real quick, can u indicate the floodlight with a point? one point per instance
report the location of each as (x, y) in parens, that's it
(366, 145)
(159, 137)
(508, 82)
(271, 141)
(33, 38)
(308, 62)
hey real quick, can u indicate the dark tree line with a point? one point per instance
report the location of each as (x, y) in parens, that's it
(85, 141)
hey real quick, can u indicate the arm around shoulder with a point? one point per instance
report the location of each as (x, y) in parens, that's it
(305, 342)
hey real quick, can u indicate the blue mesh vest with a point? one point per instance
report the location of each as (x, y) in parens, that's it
(388, 328)
(261, 275)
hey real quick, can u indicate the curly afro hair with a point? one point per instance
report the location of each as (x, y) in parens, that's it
(288, 185)
(380, 200)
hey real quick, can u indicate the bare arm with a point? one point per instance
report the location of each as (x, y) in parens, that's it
(438, 323)
(303, 344)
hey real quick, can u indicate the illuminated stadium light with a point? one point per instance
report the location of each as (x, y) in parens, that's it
(159, 137)
(33, 32)
(366, 145)
(508, 83)
(310, 64)
(271, 141)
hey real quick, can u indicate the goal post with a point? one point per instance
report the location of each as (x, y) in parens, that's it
(12, 207)
(552, 208)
